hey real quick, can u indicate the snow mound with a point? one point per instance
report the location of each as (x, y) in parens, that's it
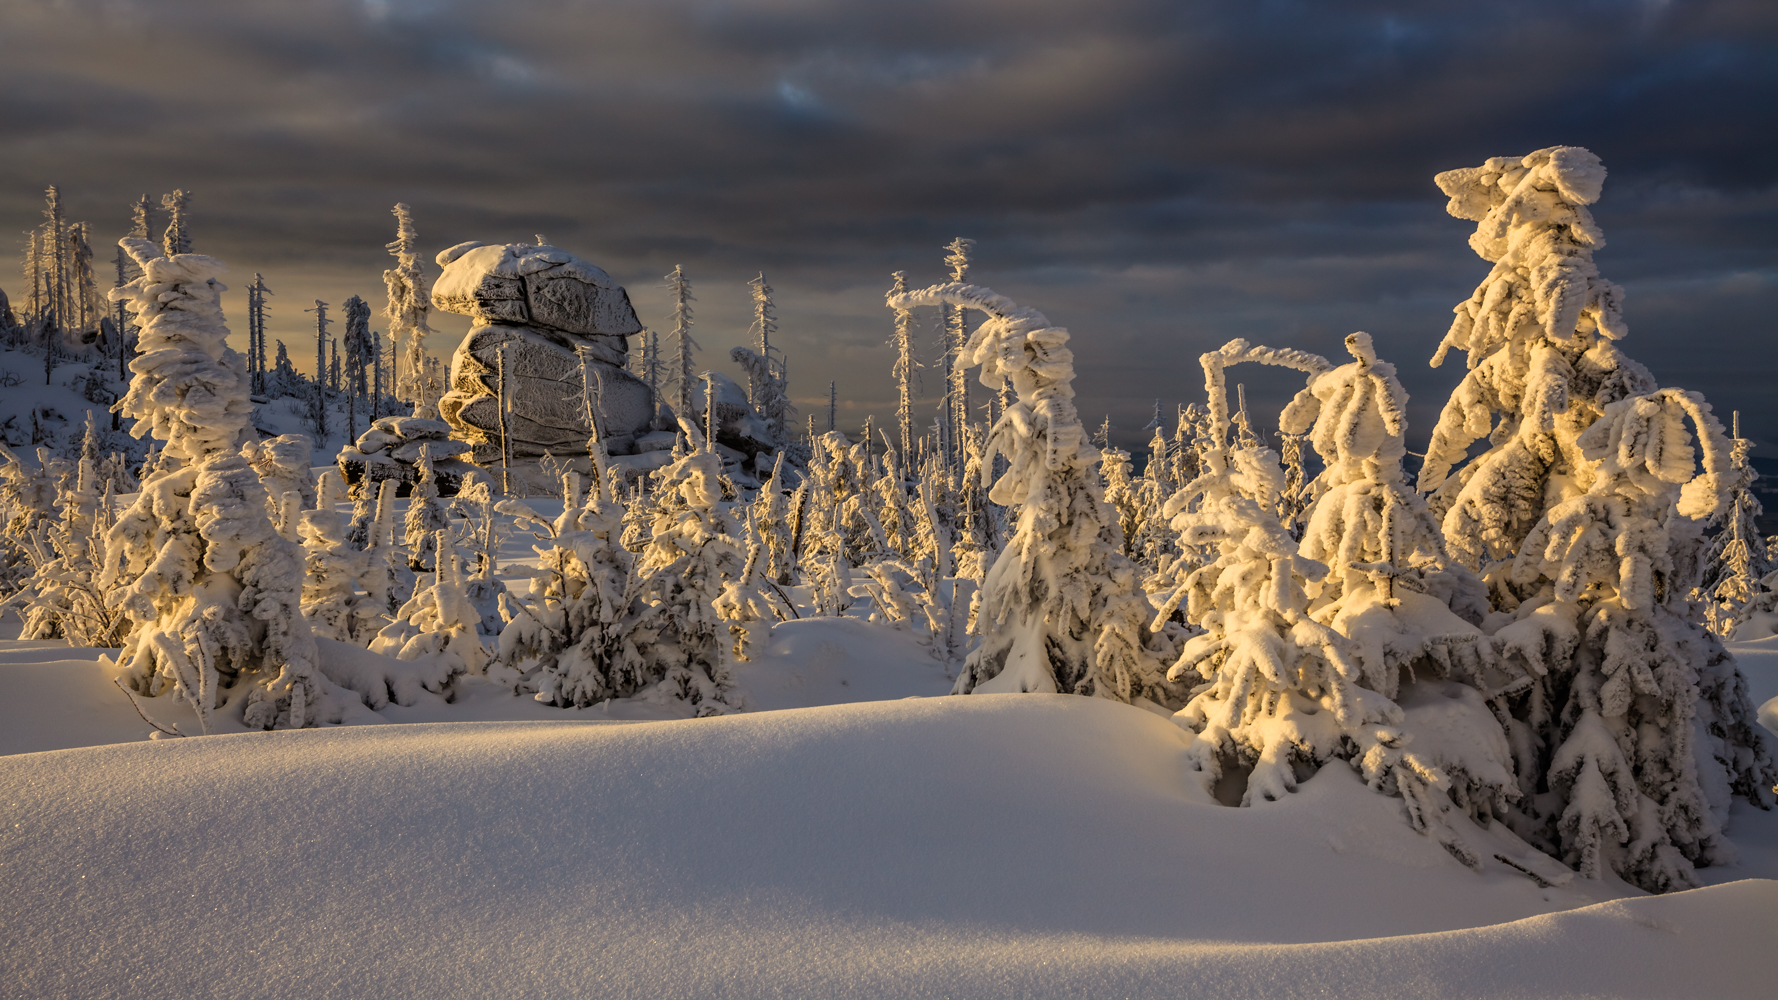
(1758, 660)
(830, 661)
(988, 846)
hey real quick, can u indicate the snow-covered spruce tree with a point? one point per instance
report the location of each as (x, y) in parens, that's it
(1391, 589)
(1736, 559)
(284, 380)
(906, 371)
(407, 308)
(827, 545)
(387, 579)
(63, 597)
(482, 532)
(27, 493)
(438, 624)
(772, 523)
(426, 517)
(953, 324)
(256, 316)
(766, 385)
(690, 556)
(889, 502)
(1758, 618)
(1154, 545)
(283, 465)
(212, 591)
(1540, 333)
(318, 392)
(335, 600)
(979, 522)
(177, 239)
(743, 603)
(572, 640)
(1636, 720)
(356, 362)
(1584, 517)
(684, 374)
(1387, 565)
(1061, 607)
(1283, 692)
(1120, 493)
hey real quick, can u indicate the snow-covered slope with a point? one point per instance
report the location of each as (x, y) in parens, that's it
(990, 846)
(1759, 664)
(58, 697)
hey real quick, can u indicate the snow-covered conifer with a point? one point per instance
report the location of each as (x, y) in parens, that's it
(744, 604)
(772, 523)
(907, 368)
(64, 599)
(1736, 559)
(426, 517)
(256, 315)
(284, 379)
(318, 394)
(1585, 518)
(1120, 493)
(438, 623)
(214, 594)
(766, 387)
(573, 640)
(1284, 691)
(177, 238)
(684, 372)
(386, 578)
(28, 493)
(889, 498)
(765, 322)
(334, 600)
(1062, 609)
(407, 308)
(690, 556)
(1390, 587)
(951, 321)
(356, 361)
(283, 464)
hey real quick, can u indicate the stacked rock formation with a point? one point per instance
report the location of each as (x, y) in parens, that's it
(391, 450)
(536, 308)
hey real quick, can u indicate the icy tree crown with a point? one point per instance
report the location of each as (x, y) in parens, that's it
(1532, 223)
(190, 388)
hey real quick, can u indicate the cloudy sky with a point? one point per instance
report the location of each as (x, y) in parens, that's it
(1157, 176)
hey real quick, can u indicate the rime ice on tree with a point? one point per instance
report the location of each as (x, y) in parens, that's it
(407, 308)
(214, 593)
(1061, 607)
(1283, 690)
(1584, 517)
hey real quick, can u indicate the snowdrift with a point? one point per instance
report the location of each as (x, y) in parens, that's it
(1016, 845)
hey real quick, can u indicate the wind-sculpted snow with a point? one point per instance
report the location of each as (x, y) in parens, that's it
(821, 852)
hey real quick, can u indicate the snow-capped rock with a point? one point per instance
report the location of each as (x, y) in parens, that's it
(549, 320)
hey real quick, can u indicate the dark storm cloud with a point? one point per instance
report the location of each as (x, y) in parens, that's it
(1159, 176)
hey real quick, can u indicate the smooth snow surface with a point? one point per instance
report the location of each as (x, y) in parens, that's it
(993, 846)
(831, 661)
(59, 697)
